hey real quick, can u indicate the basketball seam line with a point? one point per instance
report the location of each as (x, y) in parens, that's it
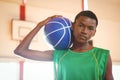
(55, 31)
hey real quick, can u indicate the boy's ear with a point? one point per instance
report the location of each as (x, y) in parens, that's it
(72, 25)
(94, 33)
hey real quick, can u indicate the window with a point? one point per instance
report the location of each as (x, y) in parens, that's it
(38, 70)
(9, 71)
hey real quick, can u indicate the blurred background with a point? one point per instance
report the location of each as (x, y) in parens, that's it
(18, 17)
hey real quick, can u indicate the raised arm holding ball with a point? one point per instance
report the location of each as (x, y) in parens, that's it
(81, 61)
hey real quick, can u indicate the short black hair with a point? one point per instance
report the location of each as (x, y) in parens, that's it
(87, 13)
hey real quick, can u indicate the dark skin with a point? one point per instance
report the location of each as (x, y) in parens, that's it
(83, 30)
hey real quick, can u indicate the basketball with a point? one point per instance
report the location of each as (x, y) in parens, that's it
(58, 33)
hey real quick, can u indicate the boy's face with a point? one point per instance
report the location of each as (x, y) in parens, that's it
(83, 29)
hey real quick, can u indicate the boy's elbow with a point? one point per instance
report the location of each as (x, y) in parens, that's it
(17, 52)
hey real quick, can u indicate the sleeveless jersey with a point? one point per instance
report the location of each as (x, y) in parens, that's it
(90, 65)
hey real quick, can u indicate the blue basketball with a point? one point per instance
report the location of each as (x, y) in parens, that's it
(58, 33)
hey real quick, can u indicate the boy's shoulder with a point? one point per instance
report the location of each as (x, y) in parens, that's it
(101, 49)
(59, 52)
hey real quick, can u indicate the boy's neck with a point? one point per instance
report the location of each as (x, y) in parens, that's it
(81, 47)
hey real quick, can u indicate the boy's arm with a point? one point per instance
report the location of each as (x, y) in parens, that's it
(23, 48)
(109, 75)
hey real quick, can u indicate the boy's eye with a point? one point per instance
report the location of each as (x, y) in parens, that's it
(81, 25)
(91, 28)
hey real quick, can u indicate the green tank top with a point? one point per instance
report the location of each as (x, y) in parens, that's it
(90, 65)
